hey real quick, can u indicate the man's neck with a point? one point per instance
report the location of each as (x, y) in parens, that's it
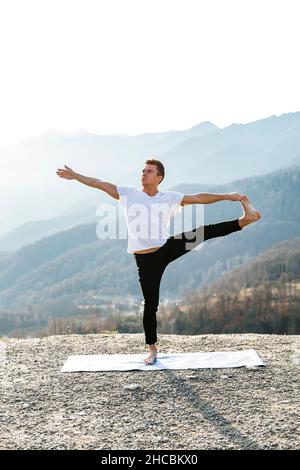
(150, 190)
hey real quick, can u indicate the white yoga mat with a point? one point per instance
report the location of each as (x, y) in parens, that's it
(196, 360)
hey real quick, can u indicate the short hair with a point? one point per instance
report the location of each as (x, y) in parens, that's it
(159, 166)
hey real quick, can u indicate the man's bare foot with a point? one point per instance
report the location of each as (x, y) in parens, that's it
(250, 213)
(151, 357)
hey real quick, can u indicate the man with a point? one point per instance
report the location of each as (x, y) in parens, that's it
(154, 251)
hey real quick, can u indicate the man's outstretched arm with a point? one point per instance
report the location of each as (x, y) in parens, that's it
(209, 198)
(69, 174)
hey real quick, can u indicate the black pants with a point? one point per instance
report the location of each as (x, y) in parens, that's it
(152, 265)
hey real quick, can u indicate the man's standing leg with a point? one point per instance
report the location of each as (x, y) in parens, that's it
(150, 268)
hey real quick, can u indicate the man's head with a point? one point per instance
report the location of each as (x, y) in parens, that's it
(153, 172)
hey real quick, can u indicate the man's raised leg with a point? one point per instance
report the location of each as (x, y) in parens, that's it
(184, 242)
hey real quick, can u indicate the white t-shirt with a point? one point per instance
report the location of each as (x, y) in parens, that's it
(148, 217)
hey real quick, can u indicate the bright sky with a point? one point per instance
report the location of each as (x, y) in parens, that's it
(135, 66)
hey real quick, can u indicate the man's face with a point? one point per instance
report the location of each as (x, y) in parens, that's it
(149, 175)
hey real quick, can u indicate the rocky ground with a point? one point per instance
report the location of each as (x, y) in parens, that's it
(233, 408)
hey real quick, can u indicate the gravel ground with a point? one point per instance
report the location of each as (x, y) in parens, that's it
(232, 408)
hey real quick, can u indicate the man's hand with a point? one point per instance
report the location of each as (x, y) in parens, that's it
(234, 196)
(69, 174)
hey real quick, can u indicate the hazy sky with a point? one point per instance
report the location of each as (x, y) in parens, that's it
(135, 66)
